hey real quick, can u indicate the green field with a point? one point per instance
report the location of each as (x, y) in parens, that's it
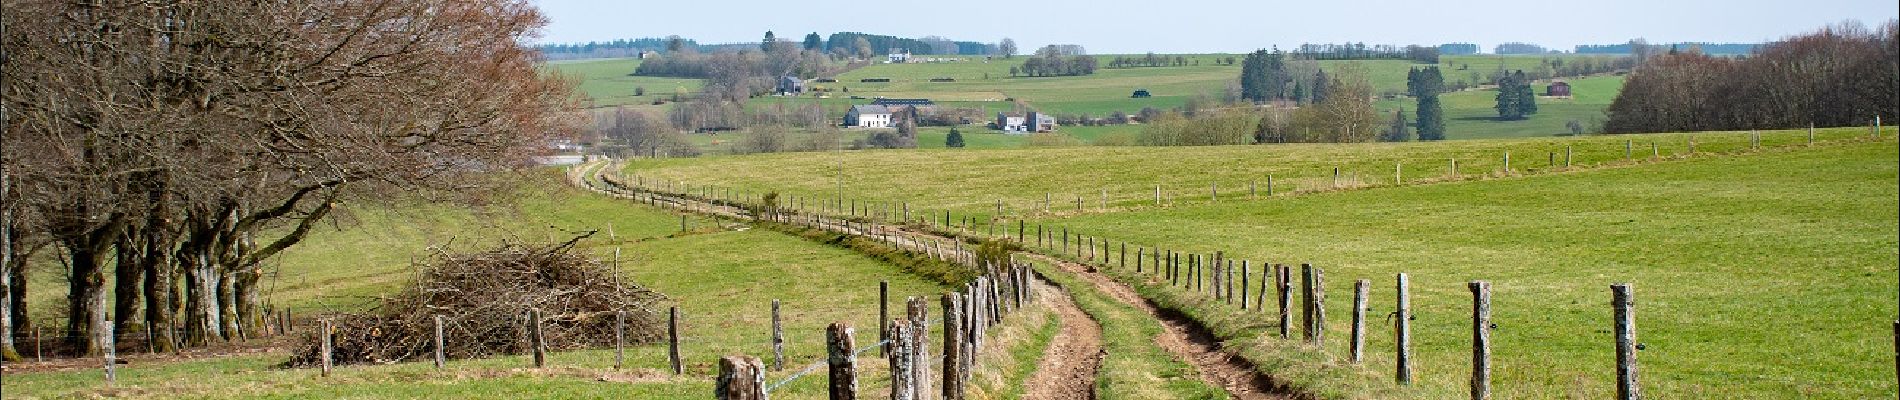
(973, 181)
(1471, 114)
(722, 279)
(1701, 237)
(609, 82)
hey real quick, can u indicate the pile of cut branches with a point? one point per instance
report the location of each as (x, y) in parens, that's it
(484, 299)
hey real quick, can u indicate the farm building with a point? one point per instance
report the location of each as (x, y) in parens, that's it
(1031, 122)
(898, 56)
(904, 102)
(868, 116)
(789, 85)
(1558, 89)
(1141, 94)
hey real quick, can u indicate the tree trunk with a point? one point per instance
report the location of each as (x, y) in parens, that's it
(22, 325)
(227, 306)
(158, 291)
(7, 352)
(128, 272)
(247, 300)
(86, 299)
(201, 302)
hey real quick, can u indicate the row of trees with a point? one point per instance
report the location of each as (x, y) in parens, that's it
(1052, 63)
(1341, 113)
(1841, 75)
(182, 144)
(1150, 60)
(1360, 51)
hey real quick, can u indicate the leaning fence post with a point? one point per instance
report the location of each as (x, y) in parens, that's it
(952, 346)
(1243, 284)
(1620, 299)
(673, 340)
(438, 344)
(1360, 289)
(1480, 340)
(839, 347)
(740, 378)
(1284, 275)
(1312, 316)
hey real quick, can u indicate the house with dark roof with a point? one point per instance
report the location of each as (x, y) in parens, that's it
(790, 85)
(1031, 122)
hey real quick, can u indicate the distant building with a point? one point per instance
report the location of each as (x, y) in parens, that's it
(649, 54)
(1031, 122)
(1141, 94)
(904, 102)
(899, 56)
(789, 85)
(868, 116)
(1558, 89)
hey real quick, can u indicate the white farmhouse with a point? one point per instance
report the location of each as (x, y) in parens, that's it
(868, 116)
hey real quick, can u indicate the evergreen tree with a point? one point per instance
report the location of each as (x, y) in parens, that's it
(955, 140)
(1276, 75)
(1526, 96)
(1431, 119)
(1319, 87)
(1299, 93)
(813, 41)
(1422, 82)
(1253, 76)
(1509, 99)
(766, 45)
(1398, 132)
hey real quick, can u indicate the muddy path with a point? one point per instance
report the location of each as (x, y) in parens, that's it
(1068, 366)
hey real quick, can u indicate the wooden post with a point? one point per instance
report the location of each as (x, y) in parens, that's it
(1021, 227)
(440, 357)
(1243, 284)
(673, 340)
(778, 339)
(620, 338)
(1403, 329)
(902, 367)
(1316, 297)
(884, 315)
(1507, 162)
(1454, 168)
(918, 309)
(1213, 192)
(110, 344)
(328, 346)
(1567, 156)
(683, 223)
(1139, 252)
(535, 339)
(1398, 174)
(839, 347)
(1810, 133)
(1655, 151)
(1335, 184)
(1124, 255)
(740, 378)
(1157, 195)
(1251, 192)
(1359, 292)
(1620, 299)
(1284, 275)
(1269, 185)
(1480, 340)
(1628, 148)
(1046, 199)
(952, 346)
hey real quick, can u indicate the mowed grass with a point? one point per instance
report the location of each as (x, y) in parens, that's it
(973, 181)
(1766, 275)
(609, 82)
(723, 280)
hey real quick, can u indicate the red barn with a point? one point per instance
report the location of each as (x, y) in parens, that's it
(1558, 89)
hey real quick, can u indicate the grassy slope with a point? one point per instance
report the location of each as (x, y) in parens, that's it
(1471, 114)
(607, 82)
(1706, 242)
(724, 295)
(972, 181)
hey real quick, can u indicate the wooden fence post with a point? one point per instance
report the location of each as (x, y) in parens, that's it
(1507, 162)
(1251, 191)
(328, 347)
(1243, 284)
(1567, 149)
(740, 378)
(535, 339)
(1284, 275)
(778, 339)
(839, 347)
(1269, 185)
(620, 339)
(918, 309)
(952, 346)
(1403, 329)
(1628, 149)
(884, 316)
(1139, 253)
(1317, 288)
(673, 340)
(1626, 384)
(1480, 340)
(1124, 255)
(110, 344)
(439, 356)
(1213, 192)
(1359, 292)
(1810, 133)
(1398, 174)
(902, 368)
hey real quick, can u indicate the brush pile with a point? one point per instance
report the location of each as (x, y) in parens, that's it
(484, 299)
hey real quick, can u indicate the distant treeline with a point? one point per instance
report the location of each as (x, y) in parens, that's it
(622, 48)
(1841, 75)
(881, 44)
(1360, 51)
(1704, 48)
(1458, 49)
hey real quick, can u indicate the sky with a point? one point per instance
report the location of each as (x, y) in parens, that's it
(1200, 26)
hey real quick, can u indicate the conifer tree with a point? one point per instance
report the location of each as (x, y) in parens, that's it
(954, 140)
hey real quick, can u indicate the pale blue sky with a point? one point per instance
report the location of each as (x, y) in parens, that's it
(1181, 26)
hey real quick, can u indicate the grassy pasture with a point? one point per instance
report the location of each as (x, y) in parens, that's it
(723, 280)
(1766, 275)
(971, 182)
(1470, 114)
(608, 82)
